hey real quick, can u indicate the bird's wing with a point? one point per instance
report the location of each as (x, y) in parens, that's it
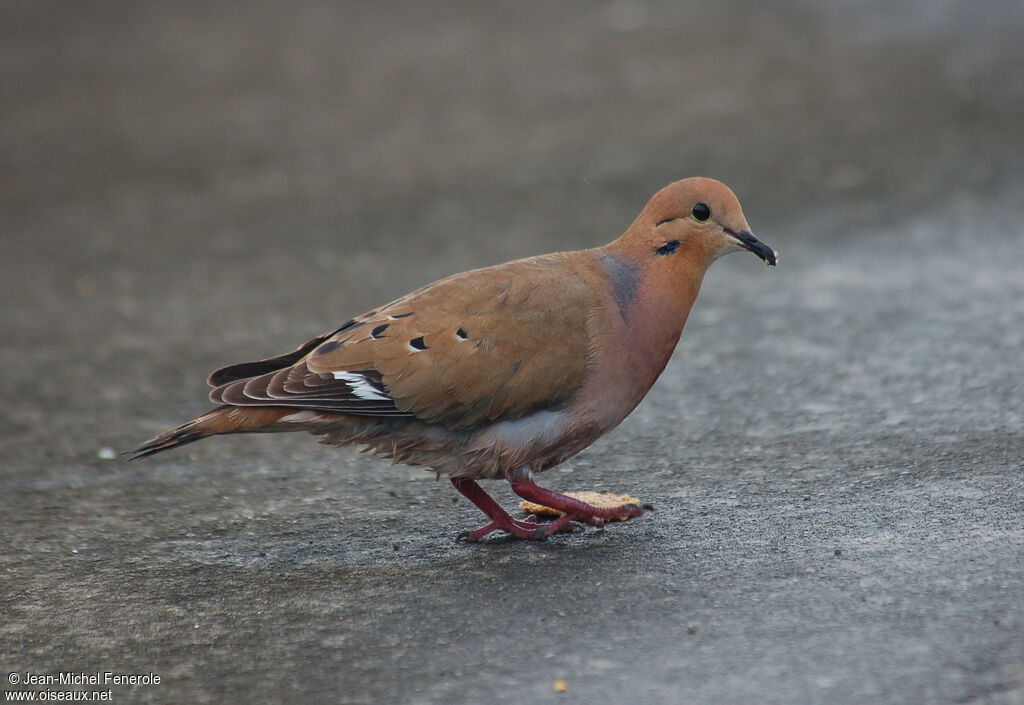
(472, 348)
(244, 370)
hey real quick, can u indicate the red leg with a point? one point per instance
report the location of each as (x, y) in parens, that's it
(572, 509)
(500, 519)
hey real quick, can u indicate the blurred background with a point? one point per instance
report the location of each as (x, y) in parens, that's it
(185, 185)
(274, 168)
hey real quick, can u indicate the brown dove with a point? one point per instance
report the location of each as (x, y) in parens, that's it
(501, 372)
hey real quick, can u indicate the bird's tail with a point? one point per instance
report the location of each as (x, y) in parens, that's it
(223, 419)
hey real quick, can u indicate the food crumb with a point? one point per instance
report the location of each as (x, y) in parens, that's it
(598, 499)
(560, 685)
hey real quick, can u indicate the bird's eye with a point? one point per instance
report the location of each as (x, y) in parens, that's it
(701, 213)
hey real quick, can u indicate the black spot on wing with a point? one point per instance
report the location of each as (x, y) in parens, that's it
(378, 331)
(418, 343)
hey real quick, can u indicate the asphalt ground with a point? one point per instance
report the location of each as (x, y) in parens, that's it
(834, 453)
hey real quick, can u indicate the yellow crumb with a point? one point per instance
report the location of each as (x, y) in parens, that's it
(560, 685)
(598, 499)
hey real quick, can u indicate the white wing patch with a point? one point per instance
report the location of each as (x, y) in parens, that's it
(300, 417)
(361, 387)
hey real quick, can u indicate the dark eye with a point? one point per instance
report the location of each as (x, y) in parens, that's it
(701, 212)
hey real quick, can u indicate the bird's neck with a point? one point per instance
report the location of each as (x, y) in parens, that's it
(648, 304)
(659, 312)
(654, 293)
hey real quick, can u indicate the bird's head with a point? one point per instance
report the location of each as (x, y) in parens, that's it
(696, 218)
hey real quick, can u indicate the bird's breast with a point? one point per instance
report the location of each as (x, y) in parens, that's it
(635, 338)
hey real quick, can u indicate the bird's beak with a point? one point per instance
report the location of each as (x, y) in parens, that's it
(749, 242)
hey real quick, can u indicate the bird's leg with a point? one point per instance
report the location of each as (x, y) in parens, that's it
(571, 508)
(500, 519)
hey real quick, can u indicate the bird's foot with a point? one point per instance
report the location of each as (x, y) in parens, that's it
(528, 528)
(572, 509)
(519, 529)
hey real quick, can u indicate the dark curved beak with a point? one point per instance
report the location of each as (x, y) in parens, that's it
(749, 242)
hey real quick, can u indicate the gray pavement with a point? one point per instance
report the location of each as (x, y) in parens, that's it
(834, 453)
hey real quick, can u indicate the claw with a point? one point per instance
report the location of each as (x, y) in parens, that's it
(519, 529)
(574, 512)
(571, 507)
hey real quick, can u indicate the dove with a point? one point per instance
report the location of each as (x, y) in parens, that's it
(498, 373)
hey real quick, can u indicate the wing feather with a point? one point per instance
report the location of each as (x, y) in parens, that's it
(472, 348)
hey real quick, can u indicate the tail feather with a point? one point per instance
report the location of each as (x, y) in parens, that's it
(223, 419)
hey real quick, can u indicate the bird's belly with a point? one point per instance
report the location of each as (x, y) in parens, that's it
(541, 440)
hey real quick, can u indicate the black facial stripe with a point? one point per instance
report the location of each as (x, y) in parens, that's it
(668, 248)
